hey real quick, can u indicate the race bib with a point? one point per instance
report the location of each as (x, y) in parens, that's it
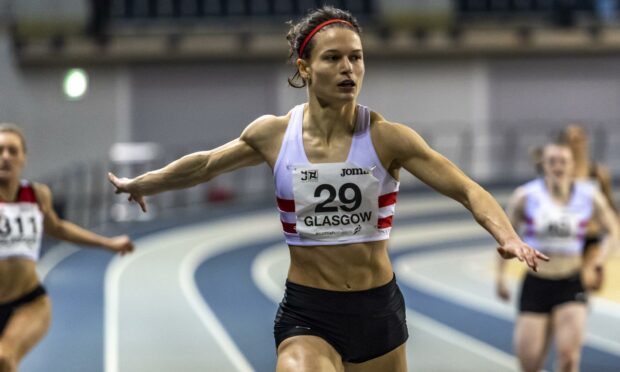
(556, 228)
(21, 227)
(335, 201)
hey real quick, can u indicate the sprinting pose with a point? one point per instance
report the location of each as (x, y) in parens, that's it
(25, 214)
(553, 213)
(336, 167)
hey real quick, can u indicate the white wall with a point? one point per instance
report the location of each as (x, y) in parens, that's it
(61, 132)
(533, 92)
(200, 103)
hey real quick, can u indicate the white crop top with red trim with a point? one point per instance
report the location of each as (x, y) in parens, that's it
(553, 228)
(21, 225)
(333, 203)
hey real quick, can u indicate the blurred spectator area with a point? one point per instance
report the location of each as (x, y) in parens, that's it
(142, 30)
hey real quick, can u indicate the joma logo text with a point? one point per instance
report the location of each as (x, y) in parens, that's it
(353, 172)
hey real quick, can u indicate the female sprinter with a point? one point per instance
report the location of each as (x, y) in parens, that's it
(25, 213)
(336, 166)
(554, 212)
(576, 138)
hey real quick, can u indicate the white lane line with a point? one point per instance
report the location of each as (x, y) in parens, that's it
(152, 248)
(203, 310)
(112, 284)
(224, 237)
(269, 258)
(181, 249)
(111, 307)
(53, 257)
(409, 271)
(406, 237)
(406, 269)
(462, 340)
(413, 205)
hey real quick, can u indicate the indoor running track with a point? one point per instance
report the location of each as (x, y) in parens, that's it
(200, 294)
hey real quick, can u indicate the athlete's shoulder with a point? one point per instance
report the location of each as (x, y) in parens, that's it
(399, 136)
(268, 123)
(588, 187)
(531, 187)
(380, 123)
(41, 190)
(42, 193)
(265, 127)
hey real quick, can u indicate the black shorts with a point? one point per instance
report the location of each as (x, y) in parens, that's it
(7, 308)
(540, 295)
(360, 325)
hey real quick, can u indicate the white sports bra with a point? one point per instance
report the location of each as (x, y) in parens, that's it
(21, 225)
(554, 228)
(333, 203)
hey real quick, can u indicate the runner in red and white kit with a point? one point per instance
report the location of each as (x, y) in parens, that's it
(25, 214)
(336, 166)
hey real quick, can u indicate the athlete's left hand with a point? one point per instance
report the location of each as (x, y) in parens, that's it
(120, 244)
(593, 277)
(523, 252)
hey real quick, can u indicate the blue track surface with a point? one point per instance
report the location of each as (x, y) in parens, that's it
(75, 340)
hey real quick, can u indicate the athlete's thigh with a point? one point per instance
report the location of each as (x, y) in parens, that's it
(27, 325)
(308, 354)
(531, 337)
(569, 321)
(394, 361)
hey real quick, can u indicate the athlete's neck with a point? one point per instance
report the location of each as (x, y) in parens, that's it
(326, 121)
(8, 189)
(559, 189)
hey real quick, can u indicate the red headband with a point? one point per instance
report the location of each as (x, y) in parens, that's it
(317, 29)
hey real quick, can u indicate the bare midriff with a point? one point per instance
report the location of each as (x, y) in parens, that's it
(347, 267)
(18, 276)
(559, 266)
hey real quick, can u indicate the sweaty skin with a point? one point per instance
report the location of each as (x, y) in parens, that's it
(328, 125)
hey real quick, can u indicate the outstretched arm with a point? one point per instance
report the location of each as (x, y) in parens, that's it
(68, 231)
(605, 214)
(195, 168)
(413, 154)
(594, 270)
(604, 179)
(514, 210)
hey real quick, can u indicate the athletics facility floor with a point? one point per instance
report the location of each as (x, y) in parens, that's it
(201, 291)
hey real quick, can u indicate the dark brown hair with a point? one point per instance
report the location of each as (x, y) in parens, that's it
(299, 31)
(563, 135)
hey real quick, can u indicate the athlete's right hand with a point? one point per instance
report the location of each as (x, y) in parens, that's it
(123, 185)
(518, 249)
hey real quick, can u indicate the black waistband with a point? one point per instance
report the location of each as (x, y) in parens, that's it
(573, 276)
(28, 297)
(372, 299)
